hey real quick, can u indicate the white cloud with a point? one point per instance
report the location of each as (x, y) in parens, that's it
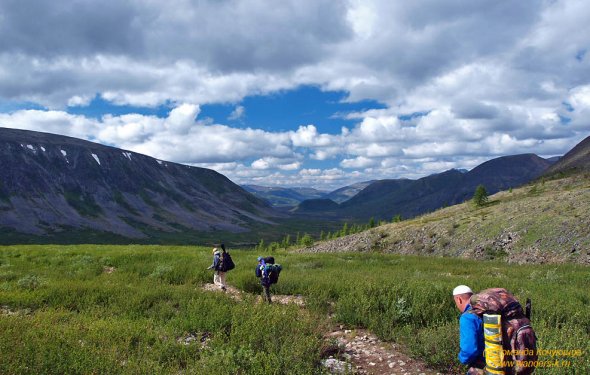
(285, 164)
(79, 101)
(470, 81)
(291, 166)
(580, 97)
(357, 163)
(308, 136)
(182, 118)
(238, 113)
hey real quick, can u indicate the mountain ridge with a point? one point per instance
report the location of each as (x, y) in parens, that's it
(576, 160)
(55, 182)
(384, 199)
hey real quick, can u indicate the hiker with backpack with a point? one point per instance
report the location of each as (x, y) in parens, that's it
(268, 273)
(222, 263)
(218, 275)
(494, 319)
(471, 340)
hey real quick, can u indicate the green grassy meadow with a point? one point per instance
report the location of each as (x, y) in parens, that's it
(62, 310)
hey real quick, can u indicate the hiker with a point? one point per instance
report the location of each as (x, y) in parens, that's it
(471, 332)
(264, 278)
(218, 276)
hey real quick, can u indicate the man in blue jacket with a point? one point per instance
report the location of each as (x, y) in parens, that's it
(471, 332)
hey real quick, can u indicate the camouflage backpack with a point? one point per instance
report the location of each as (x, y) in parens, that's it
(518, 337)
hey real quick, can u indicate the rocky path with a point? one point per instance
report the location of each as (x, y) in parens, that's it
(355, 351)
(237, 295)
(361, 352)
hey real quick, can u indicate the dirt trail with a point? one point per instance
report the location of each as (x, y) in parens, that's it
(354, 351)
(369, 355)
(237, 295)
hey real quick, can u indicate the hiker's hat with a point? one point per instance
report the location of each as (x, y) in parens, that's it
(259, 259)
(462, 289)
(215, 250)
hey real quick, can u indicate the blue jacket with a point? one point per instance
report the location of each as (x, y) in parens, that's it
(471, 337)
(264, 279)
(216, 261)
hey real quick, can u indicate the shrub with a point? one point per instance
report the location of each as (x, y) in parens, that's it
(30, 282)
(306, 240)
(480, 197)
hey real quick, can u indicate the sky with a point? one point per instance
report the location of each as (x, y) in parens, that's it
(318, 93)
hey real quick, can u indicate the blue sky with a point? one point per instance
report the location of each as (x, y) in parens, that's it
(288, 109)
(280, 111)
(302, 93)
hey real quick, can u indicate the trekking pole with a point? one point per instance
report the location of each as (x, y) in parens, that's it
(527, 309)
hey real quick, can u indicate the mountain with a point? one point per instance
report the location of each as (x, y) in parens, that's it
(502, 173)
(553, 159)
(279, 196)
(576, 160)
(386, 198)
(51, 184)
(312, 205)
(544, 223)
(291, 197)
(345, 193)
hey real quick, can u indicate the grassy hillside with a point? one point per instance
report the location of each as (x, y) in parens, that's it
(141, 309)
(546, 221)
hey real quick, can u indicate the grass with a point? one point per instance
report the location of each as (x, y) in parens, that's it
(62, 313)
(69, 316)
(551, 225)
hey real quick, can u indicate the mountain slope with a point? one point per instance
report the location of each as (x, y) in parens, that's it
(386, 198)
(345, 193)
(279, 196)
(50, 183)
(576, 160)
(548, 222)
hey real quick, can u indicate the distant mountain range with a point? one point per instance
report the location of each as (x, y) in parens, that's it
(345, 193)
(279, 196)
(386, 198)
(291, 197)
(51, 183)
(55, 185)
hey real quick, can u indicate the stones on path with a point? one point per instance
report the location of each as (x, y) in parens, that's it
(276, 298)
(7, 310)
(336, 366)
(193, 338)
(346, 351)
(366, 354)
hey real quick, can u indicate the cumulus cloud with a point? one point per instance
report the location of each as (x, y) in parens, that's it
(461, 83)
(238, 113)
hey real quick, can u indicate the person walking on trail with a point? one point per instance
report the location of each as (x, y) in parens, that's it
(471, 339)
(218, 275)
(264, 278)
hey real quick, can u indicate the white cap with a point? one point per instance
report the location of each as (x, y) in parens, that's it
(462, 289)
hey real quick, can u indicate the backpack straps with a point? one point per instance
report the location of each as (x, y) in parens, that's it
(523, 327)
